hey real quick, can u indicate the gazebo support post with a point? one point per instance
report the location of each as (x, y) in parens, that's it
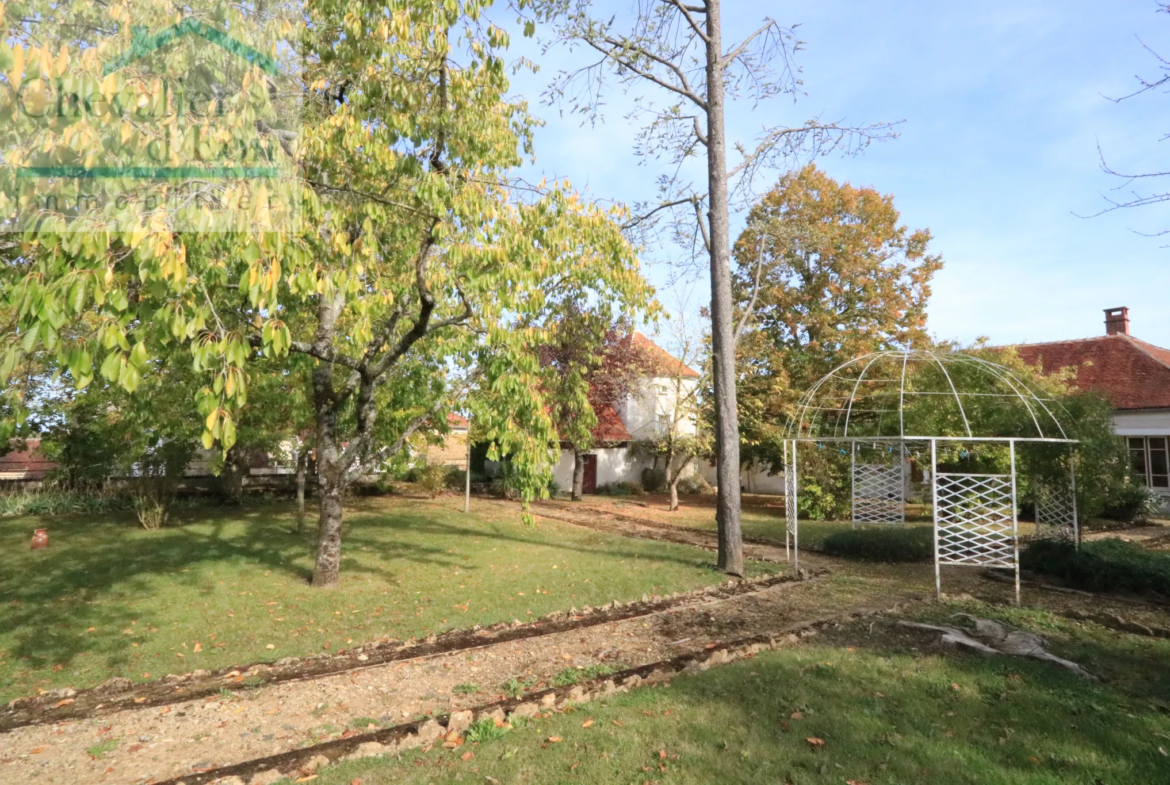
(853, 483)
(1015, 520)
(1072, 480)
(934, 511)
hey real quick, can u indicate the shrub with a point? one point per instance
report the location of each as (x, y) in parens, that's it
(653, 480)
(893, 544)
(554, 488)
(456, 478)
(152, 510)
(1104, 565)
(695, 484)
(1131, 503)
(431, 479)
(59, 502)
(620, 489)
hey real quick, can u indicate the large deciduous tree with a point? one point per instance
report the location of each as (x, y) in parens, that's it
(1140, 189)
(593, 365)
(824, 273)
(680, 438)
(399, 247)
(672, 55)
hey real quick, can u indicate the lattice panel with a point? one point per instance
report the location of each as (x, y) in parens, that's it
(1055, 512)
(790, 487)
(877, 493)
(976, 520)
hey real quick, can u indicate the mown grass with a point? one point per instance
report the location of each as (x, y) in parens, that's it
(762, 516)
(230, 586)
(861, 707)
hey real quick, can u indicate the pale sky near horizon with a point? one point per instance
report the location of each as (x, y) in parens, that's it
(1003, 106)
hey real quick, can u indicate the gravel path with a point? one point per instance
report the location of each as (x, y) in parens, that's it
(144, 745)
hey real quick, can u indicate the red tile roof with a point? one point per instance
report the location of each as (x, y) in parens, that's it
(662, 362)
(456, 421)
(610, 427)
(1132, 374)
(25, 462)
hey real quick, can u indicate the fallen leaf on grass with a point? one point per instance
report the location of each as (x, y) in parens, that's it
(796, 715)
(815, 742)
(140, 700)
(856, 782)
(38, 750)
(198, 647)
(555, 739)
(955, 687)
(662, 754)
(467, 755)
(63, 702)
(618, 723)
(587, 723)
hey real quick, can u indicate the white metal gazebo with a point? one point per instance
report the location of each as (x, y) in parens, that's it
(962, 422)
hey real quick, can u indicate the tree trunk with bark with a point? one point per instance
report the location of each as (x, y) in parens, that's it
(578, 475)
(674, 478)
(234, 468)
(727, 515)
(327, 571)
(302, 472)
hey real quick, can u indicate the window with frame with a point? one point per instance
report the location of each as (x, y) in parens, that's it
(1149, 456)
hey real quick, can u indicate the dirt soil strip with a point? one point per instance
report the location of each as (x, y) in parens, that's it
(665, 527)
(202, 735)
(118, 694)
(755, 549)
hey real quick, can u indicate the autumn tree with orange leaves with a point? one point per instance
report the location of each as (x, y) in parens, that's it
(824, 273)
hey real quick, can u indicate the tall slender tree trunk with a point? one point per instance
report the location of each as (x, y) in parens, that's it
(233, 477)
(578, 475)
(327, 571)
(302, 471)
(673, 480)
(727, 515)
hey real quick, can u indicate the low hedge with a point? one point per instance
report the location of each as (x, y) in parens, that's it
(886, 544)
(1102, 565)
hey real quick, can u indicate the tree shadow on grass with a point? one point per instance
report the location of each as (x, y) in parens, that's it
(107, 574)
(666, 553)
(888, 714)
(94, 572)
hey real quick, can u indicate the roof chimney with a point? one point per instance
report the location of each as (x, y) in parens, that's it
(1117, 321)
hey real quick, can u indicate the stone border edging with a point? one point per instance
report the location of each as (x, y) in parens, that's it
(119, 693)
(418, 733)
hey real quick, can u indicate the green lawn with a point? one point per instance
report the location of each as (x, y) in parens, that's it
(884, 712)
(229, 586)
(762, 516)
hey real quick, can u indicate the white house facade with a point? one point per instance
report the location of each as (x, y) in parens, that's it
(646, 413)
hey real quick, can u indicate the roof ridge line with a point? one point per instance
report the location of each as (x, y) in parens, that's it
(1141, 345)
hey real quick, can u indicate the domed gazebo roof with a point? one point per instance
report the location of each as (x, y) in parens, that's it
(923, 395)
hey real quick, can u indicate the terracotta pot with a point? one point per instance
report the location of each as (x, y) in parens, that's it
(40, 539)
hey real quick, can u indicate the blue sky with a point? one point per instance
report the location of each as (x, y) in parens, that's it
(1003, 106)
